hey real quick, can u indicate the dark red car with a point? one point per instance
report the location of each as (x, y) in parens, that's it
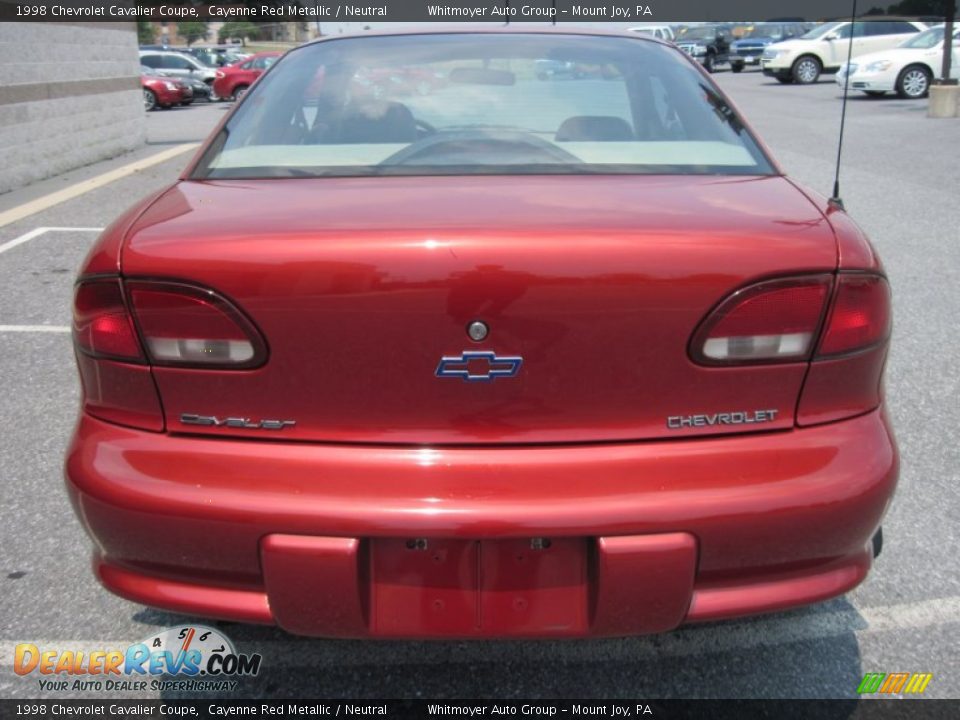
(163, 92)
(232, 81)
(515, 357)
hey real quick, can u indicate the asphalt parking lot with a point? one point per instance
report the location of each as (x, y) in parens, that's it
(900, 181)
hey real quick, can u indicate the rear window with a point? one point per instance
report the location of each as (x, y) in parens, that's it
(464, 104)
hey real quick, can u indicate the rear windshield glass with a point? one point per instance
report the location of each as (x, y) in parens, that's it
(468, 104)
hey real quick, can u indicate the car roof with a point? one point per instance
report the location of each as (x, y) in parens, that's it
(516, 29)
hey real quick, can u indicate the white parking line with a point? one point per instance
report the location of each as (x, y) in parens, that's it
(35, 328)
(85, 186)
(694, 640)
(37, 232)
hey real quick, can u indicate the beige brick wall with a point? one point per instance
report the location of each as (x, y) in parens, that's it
(69, 96)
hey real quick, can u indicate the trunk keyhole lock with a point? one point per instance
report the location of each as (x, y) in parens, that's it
(478, 330)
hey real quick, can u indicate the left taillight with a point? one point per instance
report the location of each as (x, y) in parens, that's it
(102, 326)
(122, 328)
(188, 326)
(117, 383)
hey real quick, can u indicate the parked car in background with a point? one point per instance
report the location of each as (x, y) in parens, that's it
(232, 81)
(748, 48)
(200, 90)
(661, 32)
(824, 49)
(709, 44)
(176, 64)
(508, 359)
(211, 56)
(161, 92)
(906, 69)
(219, 55)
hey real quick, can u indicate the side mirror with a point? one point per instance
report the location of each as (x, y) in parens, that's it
(830, 37)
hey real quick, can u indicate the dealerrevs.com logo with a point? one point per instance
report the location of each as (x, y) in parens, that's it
(195, 656)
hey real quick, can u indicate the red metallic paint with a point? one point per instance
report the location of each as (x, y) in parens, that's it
(241, 73)
(599, 282)
(159, 87)
(779, 518)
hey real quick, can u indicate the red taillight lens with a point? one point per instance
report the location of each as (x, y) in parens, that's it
(846, 376)
(101, 323)
(860, 317)
(188, 326)
(117, 386)
(772, 321)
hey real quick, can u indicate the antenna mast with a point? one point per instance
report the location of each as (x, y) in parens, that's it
(835, 199)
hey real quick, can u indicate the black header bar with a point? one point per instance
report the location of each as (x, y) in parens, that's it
(910, 709)
(460, 11)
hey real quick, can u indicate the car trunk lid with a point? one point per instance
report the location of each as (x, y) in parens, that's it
(363, 286)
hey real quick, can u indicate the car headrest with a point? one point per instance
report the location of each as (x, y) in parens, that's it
(594, 128)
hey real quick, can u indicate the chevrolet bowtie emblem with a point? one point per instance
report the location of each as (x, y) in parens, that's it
(494, 366)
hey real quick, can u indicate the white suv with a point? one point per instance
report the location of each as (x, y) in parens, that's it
(824, 49)
(661, 32)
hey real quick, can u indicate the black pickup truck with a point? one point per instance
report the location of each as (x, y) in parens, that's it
(708, 44)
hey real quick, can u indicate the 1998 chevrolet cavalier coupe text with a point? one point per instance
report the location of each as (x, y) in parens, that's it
(423, 345)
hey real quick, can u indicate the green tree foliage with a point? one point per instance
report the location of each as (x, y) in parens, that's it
(193, 30)
(145, 32)
(242, 30)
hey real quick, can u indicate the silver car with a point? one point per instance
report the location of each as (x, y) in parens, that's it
(181, 65)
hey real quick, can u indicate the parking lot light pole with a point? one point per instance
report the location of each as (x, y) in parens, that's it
(945, 93)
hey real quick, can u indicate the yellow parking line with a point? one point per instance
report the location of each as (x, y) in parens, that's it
(85, 186)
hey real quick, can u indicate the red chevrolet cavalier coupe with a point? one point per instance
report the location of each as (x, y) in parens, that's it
(508, 357)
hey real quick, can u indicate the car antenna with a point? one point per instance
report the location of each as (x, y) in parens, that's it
(835, 198)
(553, 12)
(507, 5)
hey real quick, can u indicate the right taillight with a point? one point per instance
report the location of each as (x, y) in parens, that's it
(840, 324)
(859, 317)
(846, 376)
(773, 321)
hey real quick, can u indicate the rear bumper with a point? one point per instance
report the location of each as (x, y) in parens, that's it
(645, 536)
